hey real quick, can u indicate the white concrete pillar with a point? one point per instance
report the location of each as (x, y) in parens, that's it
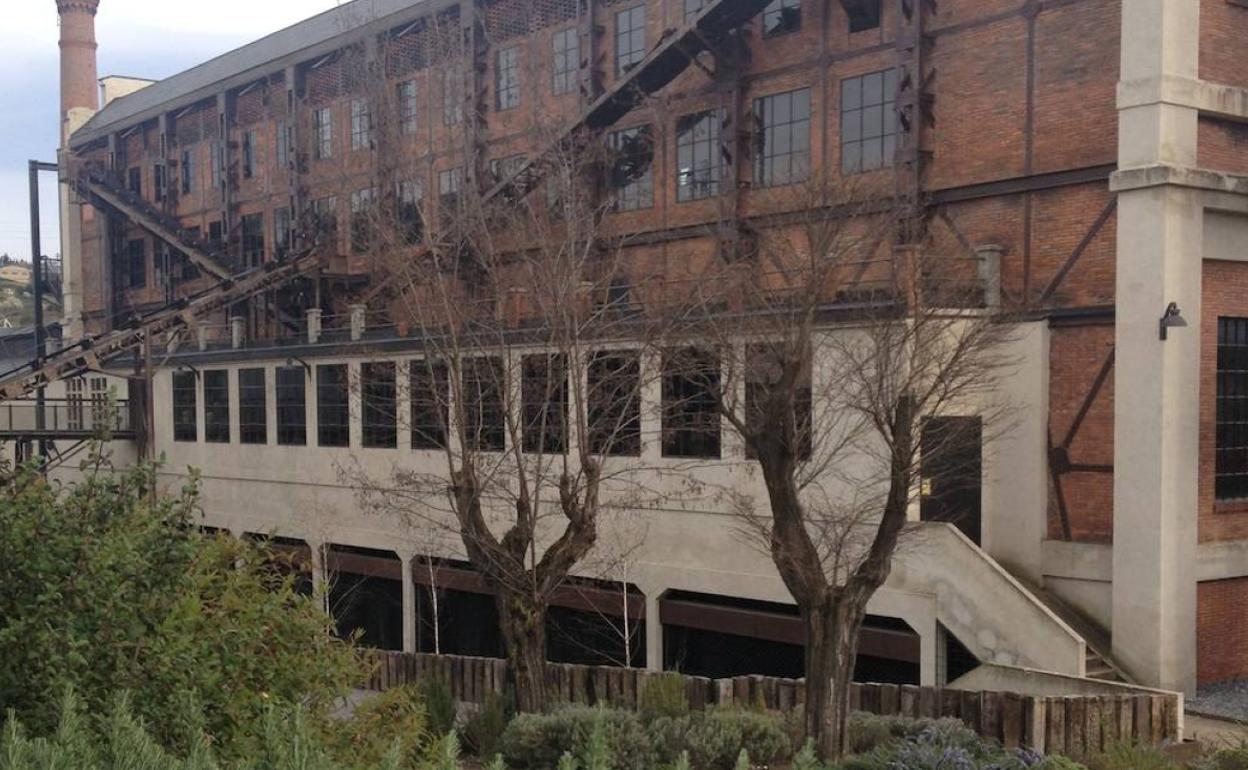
(409, 604)
(358, 324)
(237, 330)
(314, 325)
(989, 270)
(202, 331)
(1156, 383)
(654, 632)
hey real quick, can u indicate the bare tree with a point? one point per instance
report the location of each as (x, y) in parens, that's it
(529, 378)
(826, 353)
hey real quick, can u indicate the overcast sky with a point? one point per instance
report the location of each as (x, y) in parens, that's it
(143, 38)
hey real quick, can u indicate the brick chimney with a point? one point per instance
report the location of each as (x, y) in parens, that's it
(80, 90)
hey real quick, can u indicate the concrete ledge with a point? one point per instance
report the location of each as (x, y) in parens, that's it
(1159, 175)
(1222, 561)
(1213, 99)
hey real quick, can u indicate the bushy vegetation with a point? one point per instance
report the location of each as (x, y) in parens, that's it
(534, 741)
(107, 586)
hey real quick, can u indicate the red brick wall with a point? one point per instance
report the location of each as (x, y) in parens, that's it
(1223, 30)
(1077, 354)
(1223, 145)
(1224, 293)
(1221, 630)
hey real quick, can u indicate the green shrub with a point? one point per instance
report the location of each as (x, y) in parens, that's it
(1231, 758)
(483, 731)
(540, 740)
(662, 696)
(439, 706)
(716, 738)
(1127, 756)
(393, 720)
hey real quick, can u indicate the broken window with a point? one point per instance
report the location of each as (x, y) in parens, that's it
(699, 163)
(632, 166)
(218, 164)
(283, 143)
(507, 78)
(868, 121)
(325, 218)
(863, 14)
(782, 138)
(411, 223)
(188, 171)
(134, 182)
(781, 16)
(630, 38)
(452, 96)
(283, 232)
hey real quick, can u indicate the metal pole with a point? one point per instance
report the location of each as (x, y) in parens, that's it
(36, 259)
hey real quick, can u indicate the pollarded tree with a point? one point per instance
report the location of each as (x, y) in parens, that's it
(826, 354)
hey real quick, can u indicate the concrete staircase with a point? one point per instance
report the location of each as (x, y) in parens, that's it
(1099, 660)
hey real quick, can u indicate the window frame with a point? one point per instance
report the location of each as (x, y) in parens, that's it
(249, 154)
(689, 186)
(565, 79)
(621, 436)
(682, 435)
(627, 52)
(429, 388)
(507, 78)
(136, 278)
(289, 431)
(323, 133)
(855, 113)
(408, 97)
(361, 125)
(795, 160)
(184, 431)
(253, 406)
(482, 434)
(785, 17)
(253, 240)
(216, 406)
(544, 403)
(637, 192)
(1230, 440)
(363, 206)
(333, 405)
(379, 405)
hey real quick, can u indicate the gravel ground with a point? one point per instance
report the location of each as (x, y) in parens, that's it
(1227, 699)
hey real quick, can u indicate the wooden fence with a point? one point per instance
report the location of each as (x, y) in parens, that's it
(1074, 725)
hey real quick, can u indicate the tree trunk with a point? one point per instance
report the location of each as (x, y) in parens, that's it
(831, 648)
(522, 619)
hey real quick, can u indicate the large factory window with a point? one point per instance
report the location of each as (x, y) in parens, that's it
(868, 121)
(782, 138)
(333, 411)
(217, 406)
(185, 421)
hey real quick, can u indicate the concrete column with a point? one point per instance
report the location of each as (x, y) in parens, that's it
(409, 604)
(314, 325)
(989, 270)
(202, 334)
(654, 632)
(1157, 383)
(357, 322)
(237, 328)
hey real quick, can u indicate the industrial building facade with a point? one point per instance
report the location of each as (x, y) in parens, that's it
(1085, 157)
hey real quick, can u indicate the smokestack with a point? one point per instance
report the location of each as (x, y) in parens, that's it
(80, 91)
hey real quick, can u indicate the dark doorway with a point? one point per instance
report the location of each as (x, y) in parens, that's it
(952, 473)
(366, 595)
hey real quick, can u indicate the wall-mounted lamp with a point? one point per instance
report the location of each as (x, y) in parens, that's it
(189, 368)
(292, 360)
(1172, 319)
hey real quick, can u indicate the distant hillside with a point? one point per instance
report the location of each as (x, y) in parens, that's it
(17, 304)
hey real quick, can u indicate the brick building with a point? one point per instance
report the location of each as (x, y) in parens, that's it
(1087, 154)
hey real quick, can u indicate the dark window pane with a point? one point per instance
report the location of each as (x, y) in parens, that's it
(333, 413)
(1231, 420)
(185, 405)
(217, 406)
(378, 405)
(292, 415)
(484, 383)
(544, 403)
(252, 412)
(430, 389)
(691, 423)
(614, 398)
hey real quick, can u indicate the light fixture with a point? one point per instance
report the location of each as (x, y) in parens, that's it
(292, 360)
(1172, 319)
(188, 368)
